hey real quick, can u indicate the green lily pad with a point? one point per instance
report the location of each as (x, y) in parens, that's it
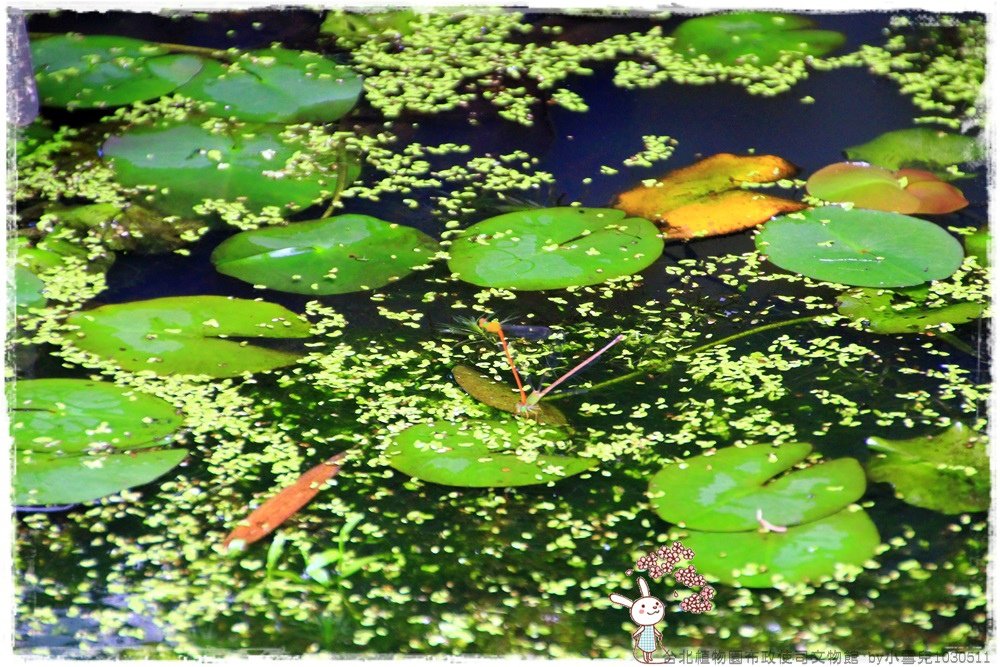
(187, 334)
(105, 71)
(806, 553)
(187, 164)
(860, 247)
(276, 86)
(346, 253)
(354, 27)
(552, 248)
(875, 308)
(758, 37)
(479, 454)
(48, 480)
(28, 288)
(724, 492)
(948, 472)
(53, 250)
(503, 397)
(977, 245)
(79, 440)
(921, 148)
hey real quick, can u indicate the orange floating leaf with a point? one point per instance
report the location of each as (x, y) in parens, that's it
(936, 196)
(705, 198)
(277, 509)
(909, 191)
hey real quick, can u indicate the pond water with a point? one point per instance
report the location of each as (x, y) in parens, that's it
(806, 416)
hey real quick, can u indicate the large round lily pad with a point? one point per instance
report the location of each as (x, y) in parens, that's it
(276, 86)
(552, 248)
(106, 71)
(725, 491)
(78, 440)
(479, 454)
(758, 37)
(860, 247)
(809, 552)
(346, 253)
(186, 164)
(188, 334)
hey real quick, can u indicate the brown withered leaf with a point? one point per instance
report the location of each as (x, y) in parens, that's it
(705, 198)
(278, 508)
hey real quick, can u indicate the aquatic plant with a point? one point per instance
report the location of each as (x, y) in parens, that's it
(860, 247)
(762, 38)
(182, 164)
(722, 351)
(77, 440)
(912, 191)
(878, 313)
(270, 85)
(74, 70)
(919, 148)
(554, 248)
(498, 395)
(482, 454)
(721, 498)
(187, 334)
(345, 253)
(707, 198)
(947, 472)
(275, 86)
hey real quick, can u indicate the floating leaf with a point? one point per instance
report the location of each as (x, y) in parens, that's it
(977, 245)
(346, 253)
(705, 198)
(279, 507)
(187, 164)
(355, 27)
(105, 71)
(875, 309)
(185, 334)
(276, 86)
(78, 440)
(809, 552)
(552, 248)
(502, 397)
(723, 492)
(479, 454)
(948, 472)
(919, 147)
(757, 37)
(905, 191)
(28, 288)
(131, 228)
(860, 247)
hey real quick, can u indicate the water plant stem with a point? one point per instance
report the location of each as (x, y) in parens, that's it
(341, 185)
(664, 366)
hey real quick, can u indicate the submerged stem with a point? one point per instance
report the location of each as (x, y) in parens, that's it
(664, 366)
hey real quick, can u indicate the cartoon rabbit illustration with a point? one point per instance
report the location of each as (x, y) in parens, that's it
(647, 611)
